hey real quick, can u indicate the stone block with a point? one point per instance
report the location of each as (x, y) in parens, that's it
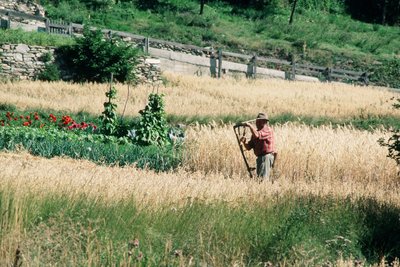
(22, 48)
(18, 57)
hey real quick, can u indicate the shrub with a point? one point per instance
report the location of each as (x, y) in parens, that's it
(109, 118)
(50, 73)
(387, 74)
(393, 143)
(152, 128)
(93, 58)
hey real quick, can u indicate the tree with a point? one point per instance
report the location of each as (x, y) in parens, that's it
(292, 13)
(94, 57)
(393, 143)
(202, 2)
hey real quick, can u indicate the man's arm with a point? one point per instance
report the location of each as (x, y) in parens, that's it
(253, 130)
(246, 145)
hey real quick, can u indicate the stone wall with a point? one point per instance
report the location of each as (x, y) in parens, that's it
(20, 61)
(26, 6)
(24, 62)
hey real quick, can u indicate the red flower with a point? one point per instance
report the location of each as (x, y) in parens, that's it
(21, 116)
(53, 118)
(27, 123)
(67, 120)
(28, 117)
(36, 117)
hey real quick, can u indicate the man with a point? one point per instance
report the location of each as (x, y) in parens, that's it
(263, 143)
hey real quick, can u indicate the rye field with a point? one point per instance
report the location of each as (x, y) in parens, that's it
(334, 199)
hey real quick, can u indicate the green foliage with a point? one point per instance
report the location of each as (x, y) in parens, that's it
(46, 57)
(93, 58)
(33, 38)
(50, 73)
(393, 143)
(109, 118)
(387, 74)
(102, 149)
(331, 37)
(152, 127)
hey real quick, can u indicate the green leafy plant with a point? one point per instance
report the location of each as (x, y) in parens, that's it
(393, 143)
(94, 57)
(152, 128)
(109, 118)
(50, 73)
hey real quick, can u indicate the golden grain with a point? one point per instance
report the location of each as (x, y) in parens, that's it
(319, 161)
(189, 96)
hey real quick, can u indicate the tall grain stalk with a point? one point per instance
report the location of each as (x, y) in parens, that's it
(193, 96)
(320, 161)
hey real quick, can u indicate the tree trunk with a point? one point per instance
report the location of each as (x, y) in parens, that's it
(293, 9)
(384, 10)
(202, 6)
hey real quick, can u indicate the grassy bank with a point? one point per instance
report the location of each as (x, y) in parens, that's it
(326, 36)
(33, 38)
(286, 230)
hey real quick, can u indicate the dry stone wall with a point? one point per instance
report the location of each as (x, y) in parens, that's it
(21, 61)
(24, 62)
(26, 6)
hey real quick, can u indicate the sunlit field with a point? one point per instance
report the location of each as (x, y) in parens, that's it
(194, 96)
(329, 180)
(320, 161)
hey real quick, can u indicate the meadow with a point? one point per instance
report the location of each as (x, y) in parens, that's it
(334, 198)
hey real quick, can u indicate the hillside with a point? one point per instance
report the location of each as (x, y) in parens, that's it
(323, 32)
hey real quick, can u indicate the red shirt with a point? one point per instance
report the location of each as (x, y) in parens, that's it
(265, 143)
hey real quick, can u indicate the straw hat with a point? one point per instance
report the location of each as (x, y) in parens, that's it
(262, 116)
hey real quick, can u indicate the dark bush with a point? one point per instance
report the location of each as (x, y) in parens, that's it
(50, 73)
(94, 57)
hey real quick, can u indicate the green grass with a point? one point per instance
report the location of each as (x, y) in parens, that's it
(310, 230)
(321, 34)
(33, 38)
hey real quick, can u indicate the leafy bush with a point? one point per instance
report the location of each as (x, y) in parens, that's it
(393, 143)
(109, 118)
(152, 128)
(50, 73)
(387, 74)
(93, 58)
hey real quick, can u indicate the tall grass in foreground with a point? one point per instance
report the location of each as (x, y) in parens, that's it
(287, 230)
(193, 96)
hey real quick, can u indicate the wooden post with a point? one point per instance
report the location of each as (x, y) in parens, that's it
(47, 25)
(328, 74)
(9, 21)
(293, 74)
(213, 64)
(146, 45)
(364, 78)
(252, 68)
(219, 62)
(70, 29)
